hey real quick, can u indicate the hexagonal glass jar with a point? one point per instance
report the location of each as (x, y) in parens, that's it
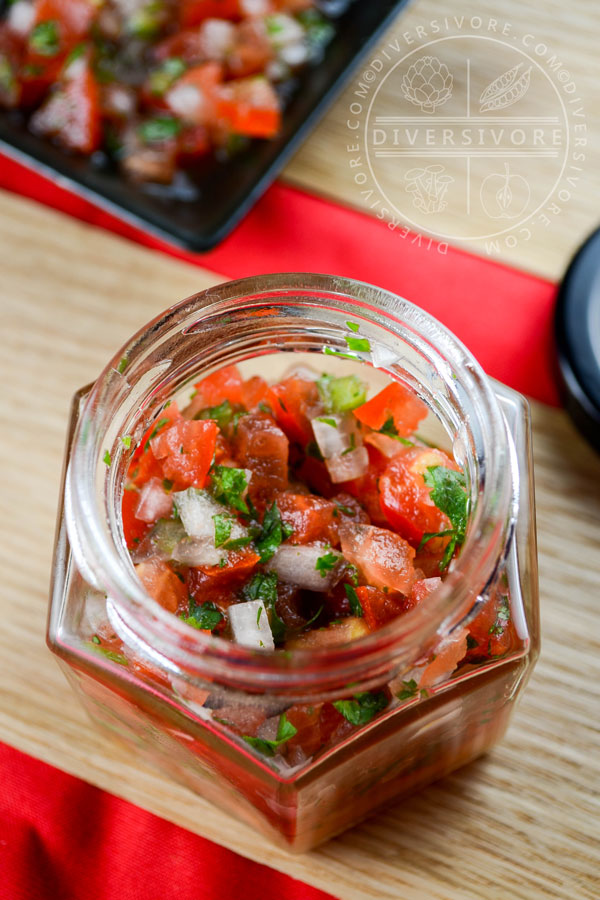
(163, 694)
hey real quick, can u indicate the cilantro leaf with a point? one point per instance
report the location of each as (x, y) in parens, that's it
(96, 644)
(285, 731)
(263, 586)
(353, 326)
(327, 421)
(228, 486)
(359, 345)
(363, 707)
(390, 430)
(162, 128)
(44, 39)
(355, 604)
(221, 414)
(409, 690)
(126, 441)
(273, 532)
(326, 563)
(222, 529)
(204, 616)
(449, 493)
(106, 458)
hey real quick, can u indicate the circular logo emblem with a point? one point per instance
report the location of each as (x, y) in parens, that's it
(468, 125)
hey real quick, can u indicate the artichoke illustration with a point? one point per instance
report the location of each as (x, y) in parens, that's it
(427, 83)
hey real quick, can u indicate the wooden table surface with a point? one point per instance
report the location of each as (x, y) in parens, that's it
(521, 823)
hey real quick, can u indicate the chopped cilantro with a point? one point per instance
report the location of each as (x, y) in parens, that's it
(273, 532)
(346, 510)
(222, 529)
(222, 562)
(359, 345)
(265, 409)
(502, 619)
(327, 421)
(203, 616)
(44, 39)
(96, 639)
(326, 563)
(390, 430)
(106, 458)
(162, 128)
(363, 707)
(450, 496)
(353, 326)
(221, 414)
(409, 690)
(285, 731)
(259, 614)
(352, 445)
(167, 484)
(228, 487)
(352, 573)
(355, 604)
(126, 441)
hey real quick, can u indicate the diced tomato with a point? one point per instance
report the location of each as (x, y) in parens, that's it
(405, 498)
(492, 630)
(396, 401)
(296, 403)
(422, 589)
(316, 475)
(243, 720)
(306, 719)
(73, 18)
(288, 605)
(193, 12)
(144, 468)
(349, 509)
(72, 113)
(133, 528)
(186, 451)
(384, 559)
(312, 518)
(162, 584)
(366, 488)
(166, 418)
(194, 141)
(251, 50)
(226, 384)
(445, 660)
(250, 106)
(260, 445)
(217, 583)
(184, 45)
(379, 607)
(254, 391)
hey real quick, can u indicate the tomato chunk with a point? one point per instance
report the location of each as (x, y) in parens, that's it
(226, 384)
(384, 559)
(250, 106)
(72, 113)
(186, 451)
(393, 401)
(312, 518)
(405, 498)
(133, 528)
(260, 445)
(162, 584)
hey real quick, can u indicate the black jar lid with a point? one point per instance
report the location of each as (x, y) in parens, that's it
(577, 331)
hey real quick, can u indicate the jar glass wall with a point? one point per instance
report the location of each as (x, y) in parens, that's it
(166, 692)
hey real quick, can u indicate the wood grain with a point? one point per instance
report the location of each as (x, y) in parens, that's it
(521, 823)
(571, 34)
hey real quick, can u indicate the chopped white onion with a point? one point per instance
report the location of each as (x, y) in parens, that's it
(250, 625)
(294, 54)
(336, 434)
(216, 38)
(387, 445)
(21, 16)
(196, 510)
(187, 101)
(197, 552)
(298, 565)
(347, 466)
(382, 356)
(255, 7)
(154, 502)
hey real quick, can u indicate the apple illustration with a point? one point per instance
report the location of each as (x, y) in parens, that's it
(503, 195)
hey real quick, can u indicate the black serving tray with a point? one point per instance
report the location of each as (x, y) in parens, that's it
(226, 190)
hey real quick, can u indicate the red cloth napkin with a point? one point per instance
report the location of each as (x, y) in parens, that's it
(503, 315)
(61, 838)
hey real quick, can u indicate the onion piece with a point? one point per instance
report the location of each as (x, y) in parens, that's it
(250, 625)
(387, 445)
(21, 16)
(196, 510)
(160, 542)
(347, 466)
(192, 551)
(333, 434)
(154, 502)
(298, 565)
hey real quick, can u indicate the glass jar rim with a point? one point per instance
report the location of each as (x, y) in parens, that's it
(158, 633)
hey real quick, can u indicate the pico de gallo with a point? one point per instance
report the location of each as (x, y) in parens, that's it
(155, 85)
(301, 514)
